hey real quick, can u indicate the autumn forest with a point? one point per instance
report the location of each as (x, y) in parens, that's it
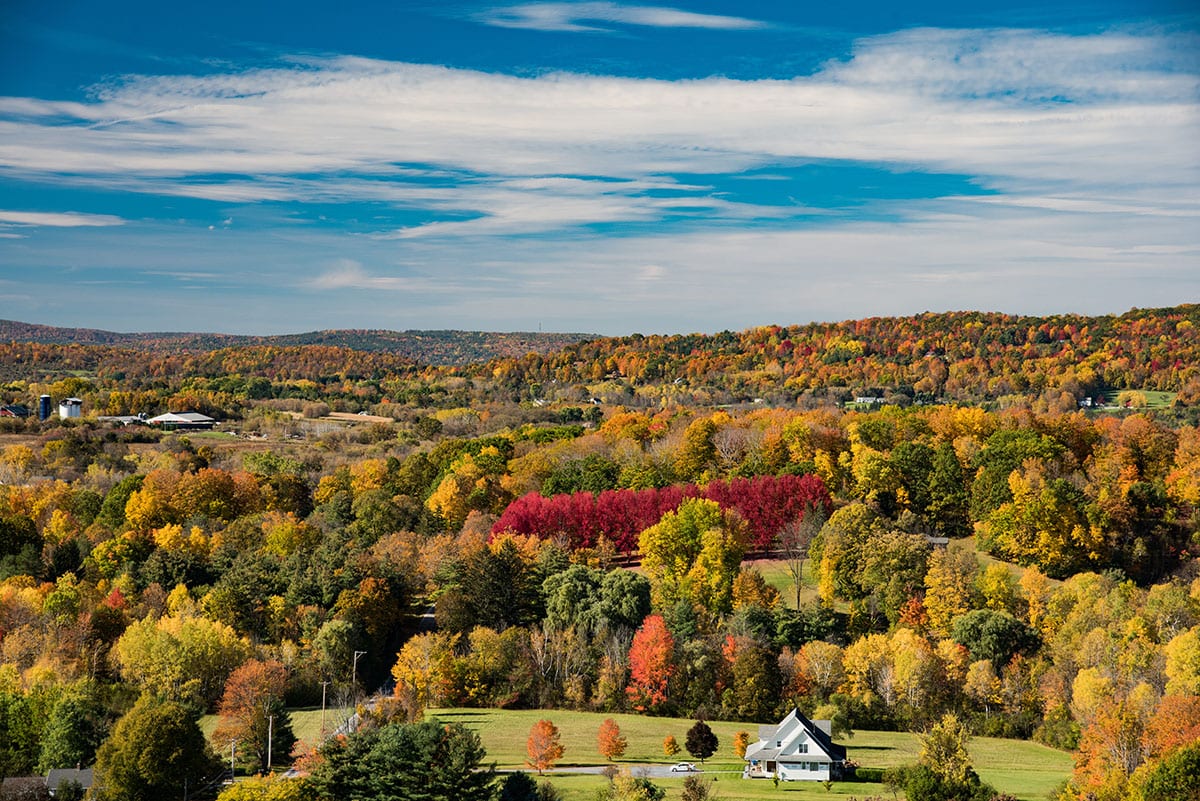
(888, 523)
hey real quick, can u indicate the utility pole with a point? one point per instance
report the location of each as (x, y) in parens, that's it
(354, 670)
(270, 737)
(232, 763)
(324, 685)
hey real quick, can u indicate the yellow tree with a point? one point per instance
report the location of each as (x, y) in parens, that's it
(1183, 663)
(472, 483)
(916, 671)
(983, 685)
(949, 587)
(998, 588)
(751, 589)
(870, 669)
(819, 668)
(423, 670)
(180, 658)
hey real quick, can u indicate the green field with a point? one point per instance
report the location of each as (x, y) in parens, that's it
(1027, 770)
(1153, 398)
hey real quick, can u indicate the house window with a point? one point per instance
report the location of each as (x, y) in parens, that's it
(803, 748)
(813, 766)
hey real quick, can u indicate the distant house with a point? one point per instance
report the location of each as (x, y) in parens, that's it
(81, 776)
(183, 421)
(797, 749)
(69, 408)
(14, 410)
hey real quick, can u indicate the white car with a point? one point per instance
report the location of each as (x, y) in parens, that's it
(683, 767)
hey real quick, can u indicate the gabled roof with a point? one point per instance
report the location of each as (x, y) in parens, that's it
(57, 776)
(786, 731)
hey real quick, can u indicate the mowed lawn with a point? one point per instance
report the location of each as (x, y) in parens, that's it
(1025, 769)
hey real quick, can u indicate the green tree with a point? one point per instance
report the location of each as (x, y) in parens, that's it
(1175, 778)
(949, 502)
(78, 723)
(494, 587)
(624, 599)
(154, 752)
(19, 734)
(756, 682)
(693, 554)
(572, 598)
(997, 636)
(518, 786)
(431, 760)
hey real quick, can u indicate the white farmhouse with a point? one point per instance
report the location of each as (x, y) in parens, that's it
(797, 749)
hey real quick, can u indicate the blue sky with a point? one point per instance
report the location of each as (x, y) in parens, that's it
(593, 166)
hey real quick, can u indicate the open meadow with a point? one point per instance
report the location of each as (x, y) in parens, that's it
(1024, 769)
(1027, 770)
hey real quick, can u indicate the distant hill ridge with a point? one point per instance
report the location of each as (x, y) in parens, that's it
(440, 348)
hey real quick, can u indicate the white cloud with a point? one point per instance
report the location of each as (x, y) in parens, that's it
(1101, 123)
(68, 219)
(571, 17)
(349, 274)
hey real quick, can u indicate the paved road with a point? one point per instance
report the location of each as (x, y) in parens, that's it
(648, 771)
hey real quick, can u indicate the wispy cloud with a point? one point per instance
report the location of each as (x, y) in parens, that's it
(68, 219)
(1108, 120)
(584, 17)
(348, 273)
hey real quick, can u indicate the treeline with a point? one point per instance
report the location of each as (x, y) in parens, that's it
(425, 347)
(957, 356)
(967, 357)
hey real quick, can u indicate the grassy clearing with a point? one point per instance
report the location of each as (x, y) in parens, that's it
(775, 572)
(1140, 398)
(1027, 770)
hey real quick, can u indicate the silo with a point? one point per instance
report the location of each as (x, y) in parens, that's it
(44, 407)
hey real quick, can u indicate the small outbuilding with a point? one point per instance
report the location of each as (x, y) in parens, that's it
(69, 408)
(183, 421)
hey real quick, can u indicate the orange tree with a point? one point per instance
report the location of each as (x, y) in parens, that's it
(543, 746)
